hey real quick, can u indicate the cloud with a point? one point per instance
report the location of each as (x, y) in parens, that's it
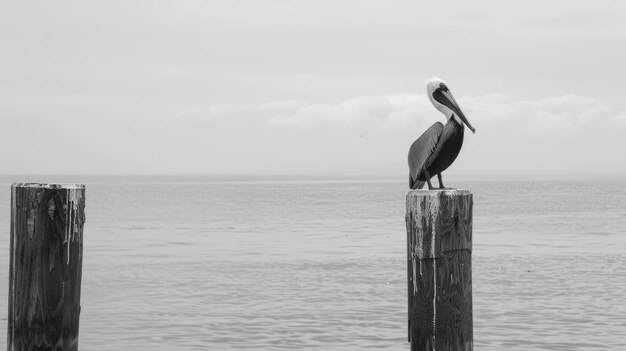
(566, 114)
(490, 108)
(385, 110)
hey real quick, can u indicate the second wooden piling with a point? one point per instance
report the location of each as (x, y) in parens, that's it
(45, 266)
(439, 266)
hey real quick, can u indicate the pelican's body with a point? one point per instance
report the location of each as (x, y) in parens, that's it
(435, 150)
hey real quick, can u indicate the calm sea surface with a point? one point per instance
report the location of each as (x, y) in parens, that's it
(295, 263)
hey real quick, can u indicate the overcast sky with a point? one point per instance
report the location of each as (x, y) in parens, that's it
(284, 87)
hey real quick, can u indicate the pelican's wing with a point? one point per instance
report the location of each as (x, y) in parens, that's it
(422, 149)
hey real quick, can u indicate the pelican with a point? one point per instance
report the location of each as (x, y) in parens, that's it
(435, 150)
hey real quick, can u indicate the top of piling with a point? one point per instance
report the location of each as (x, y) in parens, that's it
(439, 221)
(49, 185)
(439, 192)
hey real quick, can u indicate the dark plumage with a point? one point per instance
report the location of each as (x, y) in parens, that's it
(435, 150)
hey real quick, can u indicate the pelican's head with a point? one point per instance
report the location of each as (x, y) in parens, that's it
(441, 97)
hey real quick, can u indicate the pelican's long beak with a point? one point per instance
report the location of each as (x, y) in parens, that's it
(451, 103)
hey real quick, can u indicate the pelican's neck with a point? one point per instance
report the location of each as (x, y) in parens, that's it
(446, 111)
(455, 119)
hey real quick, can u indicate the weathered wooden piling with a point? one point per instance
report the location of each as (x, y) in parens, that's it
(45, 266)
(439, 265)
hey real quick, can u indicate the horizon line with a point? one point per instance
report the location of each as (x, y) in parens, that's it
(307, 174)
(300, 176)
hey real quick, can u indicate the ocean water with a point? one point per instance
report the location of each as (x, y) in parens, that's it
(299, 263)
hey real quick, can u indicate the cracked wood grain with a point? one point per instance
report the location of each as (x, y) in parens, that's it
(45, 266)
(439, 269)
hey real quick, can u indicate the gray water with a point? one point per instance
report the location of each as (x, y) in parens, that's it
(270, 263)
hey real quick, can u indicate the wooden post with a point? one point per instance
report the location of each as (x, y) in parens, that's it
(45, 266)
(439, 248)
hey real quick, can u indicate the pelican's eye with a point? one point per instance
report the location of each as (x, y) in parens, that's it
(443, 87)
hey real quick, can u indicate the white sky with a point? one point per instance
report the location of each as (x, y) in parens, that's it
(286, 87)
